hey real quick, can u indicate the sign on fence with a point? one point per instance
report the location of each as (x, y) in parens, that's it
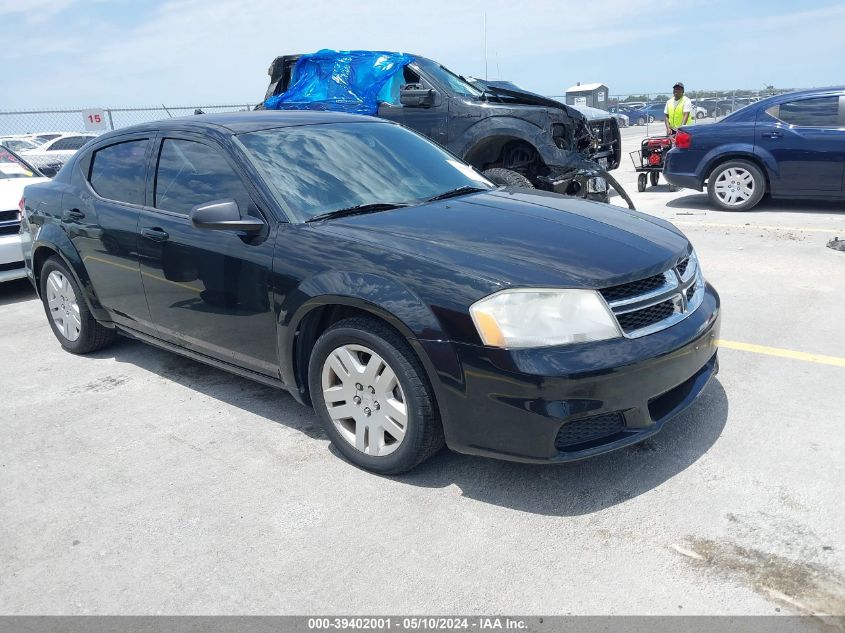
(95, 120)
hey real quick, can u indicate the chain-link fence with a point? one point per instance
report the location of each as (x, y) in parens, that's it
(47, 138)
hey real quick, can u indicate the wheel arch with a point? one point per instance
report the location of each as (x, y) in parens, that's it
(736, 154)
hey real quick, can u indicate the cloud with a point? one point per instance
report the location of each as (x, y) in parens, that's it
(206, 51)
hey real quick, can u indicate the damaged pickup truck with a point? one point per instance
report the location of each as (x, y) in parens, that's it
(512, 136)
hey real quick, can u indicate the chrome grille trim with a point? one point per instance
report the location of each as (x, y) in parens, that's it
(676, 289)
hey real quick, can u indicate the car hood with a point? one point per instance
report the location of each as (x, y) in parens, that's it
(517, 237)
(11, 191)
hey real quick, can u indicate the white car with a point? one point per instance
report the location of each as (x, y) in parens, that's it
(15, 174)
(19, 143)
(56, 151)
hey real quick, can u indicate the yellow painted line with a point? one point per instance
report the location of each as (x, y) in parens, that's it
(758, 226)
(783, 353)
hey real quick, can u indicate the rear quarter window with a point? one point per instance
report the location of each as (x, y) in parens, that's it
(118, 172)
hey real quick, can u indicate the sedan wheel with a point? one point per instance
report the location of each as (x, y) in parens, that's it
(736, 185)
(373, 397)
(364, 400)
(71, 321)
(63, 306)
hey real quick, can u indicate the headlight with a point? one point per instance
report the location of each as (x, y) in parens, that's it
(539, 317)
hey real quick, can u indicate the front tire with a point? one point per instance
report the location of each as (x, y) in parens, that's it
(507, 177)
(372, 397)
(71, 321)
(736, 185)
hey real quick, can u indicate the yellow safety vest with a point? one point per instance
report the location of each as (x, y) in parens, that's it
(676, 114)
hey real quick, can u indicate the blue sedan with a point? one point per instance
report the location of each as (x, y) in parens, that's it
(791, 146)
(648, 114)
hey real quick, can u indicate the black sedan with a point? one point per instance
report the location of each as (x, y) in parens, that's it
(379, 279)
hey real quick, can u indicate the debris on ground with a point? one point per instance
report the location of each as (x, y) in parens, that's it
(836, 244)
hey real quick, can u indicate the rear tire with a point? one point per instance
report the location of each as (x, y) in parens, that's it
(71, 321)
(654, 177)
(642, 182)
(736, 185)
(640, 121)
(390, 428)
(507, 177)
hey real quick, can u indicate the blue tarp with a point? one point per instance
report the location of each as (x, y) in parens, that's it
(341, 81)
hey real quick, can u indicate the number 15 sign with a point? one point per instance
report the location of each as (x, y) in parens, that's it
(95, 120)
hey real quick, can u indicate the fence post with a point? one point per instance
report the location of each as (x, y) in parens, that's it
(111, 121)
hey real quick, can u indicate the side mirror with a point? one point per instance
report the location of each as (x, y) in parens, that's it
(223, 215)
(416, 96)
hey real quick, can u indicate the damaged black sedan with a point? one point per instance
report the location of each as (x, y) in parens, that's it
(379, 279)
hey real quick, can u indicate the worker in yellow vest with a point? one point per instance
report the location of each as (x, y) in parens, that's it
(678, 111)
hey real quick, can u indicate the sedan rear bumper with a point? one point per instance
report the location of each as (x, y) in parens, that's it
(562, 404)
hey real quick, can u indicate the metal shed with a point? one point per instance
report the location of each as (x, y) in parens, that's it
(593, 95)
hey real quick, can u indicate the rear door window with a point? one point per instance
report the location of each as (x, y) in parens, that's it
(191, 173)
(118, 172)
(816, 112)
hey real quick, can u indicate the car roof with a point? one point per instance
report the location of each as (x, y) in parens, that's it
(247, 121)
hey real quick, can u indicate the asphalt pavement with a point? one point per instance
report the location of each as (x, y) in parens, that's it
(135, 481)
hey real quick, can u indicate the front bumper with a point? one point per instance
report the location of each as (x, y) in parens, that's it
(541, 405)
(11, 258)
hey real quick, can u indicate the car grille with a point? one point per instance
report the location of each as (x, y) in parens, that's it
(638, 319)
(633, 289)
(10, 222)
(654, 303)
(577, 433)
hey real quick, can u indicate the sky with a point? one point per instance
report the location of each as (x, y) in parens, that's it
(118, 53)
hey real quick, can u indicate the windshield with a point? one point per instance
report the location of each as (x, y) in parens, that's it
(19, 144)
(455, 82)
(316, 169)
(13, 167)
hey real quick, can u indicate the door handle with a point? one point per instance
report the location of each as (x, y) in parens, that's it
(72, 215)
(774, 135)
(155, 234)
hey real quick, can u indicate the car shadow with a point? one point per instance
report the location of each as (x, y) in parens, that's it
(557, 490)
(699, 201)
(587, 486)
(16, 291)
(273, 404)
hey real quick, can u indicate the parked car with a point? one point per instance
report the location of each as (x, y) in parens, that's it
(17, 143)
(648, 114)
(55, 152)
(513, 136)
(379, 279)
(791, 145)
(15, 174)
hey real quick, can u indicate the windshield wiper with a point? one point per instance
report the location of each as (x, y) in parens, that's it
(358, 209)
(460, 191)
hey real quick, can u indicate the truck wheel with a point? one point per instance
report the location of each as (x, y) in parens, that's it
(507, 177)
(372, 397)
(641, 182)
(654, 177)
(736, 185)
(68, 315)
